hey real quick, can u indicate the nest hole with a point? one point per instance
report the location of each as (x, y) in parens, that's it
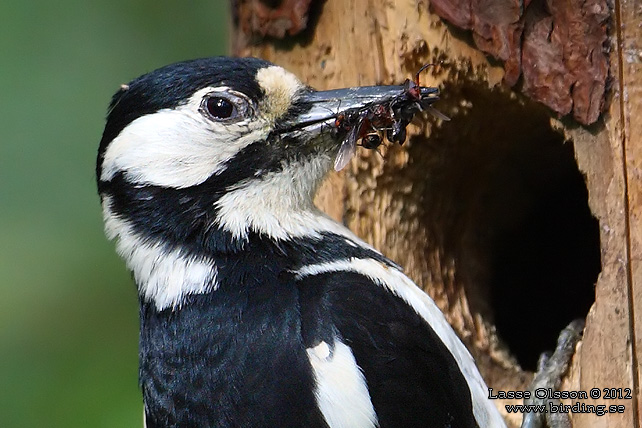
(508, 204)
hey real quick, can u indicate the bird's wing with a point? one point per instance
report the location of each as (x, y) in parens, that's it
(415, 370)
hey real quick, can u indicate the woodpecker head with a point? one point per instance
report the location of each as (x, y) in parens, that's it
(198, 155)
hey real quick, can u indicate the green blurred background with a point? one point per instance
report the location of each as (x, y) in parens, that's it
(68, 310)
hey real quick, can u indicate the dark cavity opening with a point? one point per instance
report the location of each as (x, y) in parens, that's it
(507, 203)
(546, 257)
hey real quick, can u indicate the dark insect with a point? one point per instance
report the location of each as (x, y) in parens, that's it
(421, 96)
(397, 132)
(413, 87)
(371, 141)
(391, 117)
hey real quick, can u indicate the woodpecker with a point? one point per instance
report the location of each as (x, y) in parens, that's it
(256, 309)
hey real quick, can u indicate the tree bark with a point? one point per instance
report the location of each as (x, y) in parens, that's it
(443, 204)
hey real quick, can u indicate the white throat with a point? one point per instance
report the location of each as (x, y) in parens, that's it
(279, 205)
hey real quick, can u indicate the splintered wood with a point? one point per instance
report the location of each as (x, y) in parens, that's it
(423, 204)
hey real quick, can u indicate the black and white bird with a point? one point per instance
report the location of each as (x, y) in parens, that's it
(256, 309)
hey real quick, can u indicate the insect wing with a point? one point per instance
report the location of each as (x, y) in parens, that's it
(436, 113)
(346, 152)
(348, 145)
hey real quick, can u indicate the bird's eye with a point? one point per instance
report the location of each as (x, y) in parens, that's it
(226, 106)
(220, 108)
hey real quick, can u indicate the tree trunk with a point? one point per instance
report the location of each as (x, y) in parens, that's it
(513, 220)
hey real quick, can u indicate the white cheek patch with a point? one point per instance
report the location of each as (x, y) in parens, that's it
(280, 87)
(341, 389)
(399, 284)
(163, 277)
(177, 147)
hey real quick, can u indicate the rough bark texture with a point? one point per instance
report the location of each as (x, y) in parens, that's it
(445, 204)
(257, 18)
(560, 47)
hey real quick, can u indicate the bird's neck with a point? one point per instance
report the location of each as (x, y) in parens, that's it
(278, 204)
(175, 241)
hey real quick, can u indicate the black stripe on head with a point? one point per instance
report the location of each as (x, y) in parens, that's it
(172, 85)
(185, 219)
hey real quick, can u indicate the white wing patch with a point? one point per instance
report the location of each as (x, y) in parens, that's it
(164, 277)
(484, 410)
(341, 390)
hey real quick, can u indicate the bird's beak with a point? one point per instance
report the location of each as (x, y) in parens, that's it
(324, 107)
(347, 115)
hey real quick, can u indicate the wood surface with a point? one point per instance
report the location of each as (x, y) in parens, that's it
(395, 200)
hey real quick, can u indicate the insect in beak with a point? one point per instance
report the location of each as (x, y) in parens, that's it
(365, 113)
